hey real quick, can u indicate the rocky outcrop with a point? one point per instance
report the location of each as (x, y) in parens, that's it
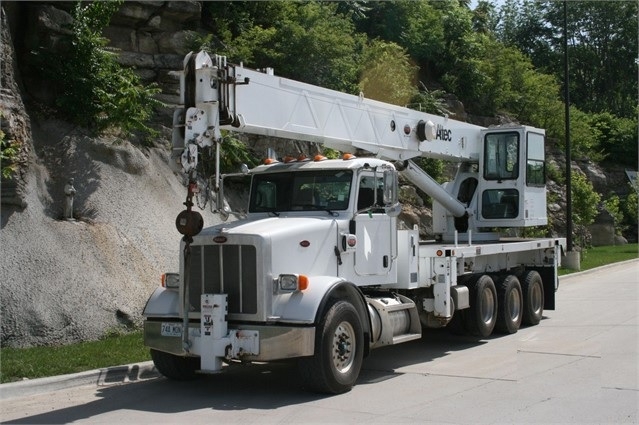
(150, 36)
(15, 123)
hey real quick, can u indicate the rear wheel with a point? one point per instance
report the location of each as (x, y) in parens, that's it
(509, 297)
(533, 290)
(175, 367)
(339, 350)
(482, 315)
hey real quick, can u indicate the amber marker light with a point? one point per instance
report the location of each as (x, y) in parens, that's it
(302, 282)
(440, 252)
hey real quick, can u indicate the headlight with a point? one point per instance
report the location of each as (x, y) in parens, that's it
(292, 282)
(171, 280)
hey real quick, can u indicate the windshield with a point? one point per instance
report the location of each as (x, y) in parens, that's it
(301, 191)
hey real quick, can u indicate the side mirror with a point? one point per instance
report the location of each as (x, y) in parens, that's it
(390, 187)
(392, 207)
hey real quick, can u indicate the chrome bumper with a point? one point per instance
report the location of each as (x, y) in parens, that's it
(275, 342)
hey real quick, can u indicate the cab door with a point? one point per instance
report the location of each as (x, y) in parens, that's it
(374, 229)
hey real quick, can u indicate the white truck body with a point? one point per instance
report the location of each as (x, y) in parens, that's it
(319, 269)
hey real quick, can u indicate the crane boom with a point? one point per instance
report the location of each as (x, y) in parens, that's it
(262, 103)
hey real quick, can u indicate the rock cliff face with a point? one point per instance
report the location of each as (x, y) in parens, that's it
(66, 281)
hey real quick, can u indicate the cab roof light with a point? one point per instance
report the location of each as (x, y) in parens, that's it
(319, 157)
(303, 158)
(288, 159)
(348, 156)
(269, 161)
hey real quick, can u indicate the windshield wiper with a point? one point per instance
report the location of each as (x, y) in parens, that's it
(313, 207)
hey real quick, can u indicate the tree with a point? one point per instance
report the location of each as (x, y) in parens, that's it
(305, 41)
(602, 48)
(387, 74)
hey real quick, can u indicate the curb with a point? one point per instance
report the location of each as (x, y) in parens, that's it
(98, 377)
(605, 266)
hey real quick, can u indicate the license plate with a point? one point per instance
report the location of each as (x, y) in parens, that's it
(171, 329)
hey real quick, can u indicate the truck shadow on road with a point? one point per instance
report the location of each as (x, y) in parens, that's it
(257, 386)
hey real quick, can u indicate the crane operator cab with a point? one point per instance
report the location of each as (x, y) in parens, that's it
(507, 188)
(512, 178)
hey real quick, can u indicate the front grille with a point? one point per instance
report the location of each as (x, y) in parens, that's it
(225, 269)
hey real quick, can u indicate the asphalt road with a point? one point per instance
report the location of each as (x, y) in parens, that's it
(579, 365)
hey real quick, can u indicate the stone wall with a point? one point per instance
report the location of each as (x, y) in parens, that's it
(149, 36)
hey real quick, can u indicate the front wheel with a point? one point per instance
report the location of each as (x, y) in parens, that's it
(174, 367)
(339, 351)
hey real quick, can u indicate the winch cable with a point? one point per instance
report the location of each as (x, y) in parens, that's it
(189, 223)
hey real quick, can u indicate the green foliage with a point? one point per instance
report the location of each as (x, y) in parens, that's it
(513, 86)
(617, 137)
(429, 101)
(330, 153)
(233, 154)
(38, 362)
(95, 91)
(584, 200)
(630, 208)
(387, 73)
(311, 42)
(601, 255)
(8, 155)
(613, 206)
(602, 48)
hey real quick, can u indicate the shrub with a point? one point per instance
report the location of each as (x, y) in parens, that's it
(8, 155)
(95, 91)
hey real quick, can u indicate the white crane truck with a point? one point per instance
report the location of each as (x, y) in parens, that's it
(318, 269)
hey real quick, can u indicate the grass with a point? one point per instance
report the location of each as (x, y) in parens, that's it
(115, 350)
(602, 255)
(37, 362)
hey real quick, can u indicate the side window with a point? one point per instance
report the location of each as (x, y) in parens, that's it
(535, 163)
(371, 192)
(500, 203)
(501, 155)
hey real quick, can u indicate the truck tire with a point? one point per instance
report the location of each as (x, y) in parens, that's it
(533, 290)
(510, 302)
(482, 315)
(175, 367)
(339, 350)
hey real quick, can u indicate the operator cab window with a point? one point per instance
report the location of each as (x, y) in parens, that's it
(501, 155)
(535, 163)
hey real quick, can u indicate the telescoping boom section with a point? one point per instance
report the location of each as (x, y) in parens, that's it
(318, 266)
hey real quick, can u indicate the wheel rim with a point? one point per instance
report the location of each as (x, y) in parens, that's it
(536, 301)
(487, 306)
(344, 347)
(514, 305)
